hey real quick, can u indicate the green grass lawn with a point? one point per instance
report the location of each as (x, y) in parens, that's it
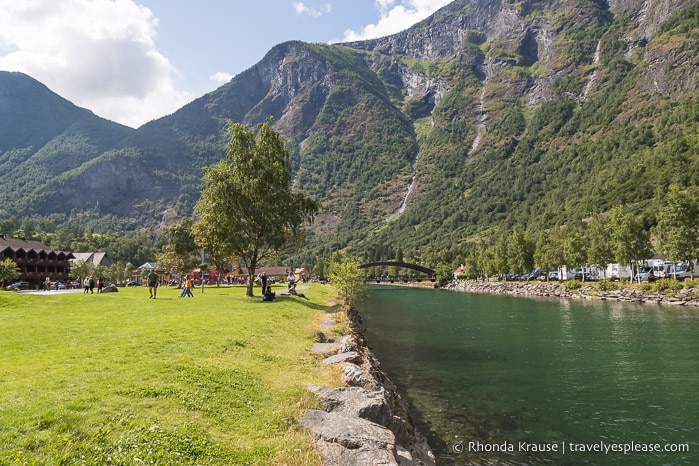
(118, 378)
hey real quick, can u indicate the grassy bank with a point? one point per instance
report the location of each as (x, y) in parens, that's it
(119, 378)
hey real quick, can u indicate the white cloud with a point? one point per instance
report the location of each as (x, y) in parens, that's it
(394, 17)
(99, 54)
(221, 77)
(302, 9)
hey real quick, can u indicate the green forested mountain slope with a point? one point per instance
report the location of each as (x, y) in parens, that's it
(42, 136)
(486, 116)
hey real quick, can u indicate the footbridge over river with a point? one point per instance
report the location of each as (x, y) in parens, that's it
(404, 265)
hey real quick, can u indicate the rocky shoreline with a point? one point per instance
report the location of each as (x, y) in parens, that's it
(632, 294)
(366, 421)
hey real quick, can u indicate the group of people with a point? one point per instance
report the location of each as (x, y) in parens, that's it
(269, 295)
(154, 279)
(89, 284)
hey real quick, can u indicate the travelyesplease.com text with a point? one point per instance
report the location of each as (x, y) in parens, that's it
(569, 447)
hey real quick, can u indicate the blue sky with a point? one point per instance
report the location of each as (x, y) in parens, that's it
(132, 61)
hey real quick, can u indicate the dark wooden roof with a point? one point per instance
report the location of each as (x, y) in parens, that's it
(26, 245)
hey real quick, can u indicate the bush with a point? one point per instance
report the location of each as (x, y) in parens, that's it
(667, 284)
(573, 284)
(691, 283)
(607, 285)
(348, 280)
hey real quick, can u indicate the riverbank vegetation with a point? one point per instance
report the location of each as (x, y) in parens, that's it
(618, 237)
(666, 291)
(116, 378)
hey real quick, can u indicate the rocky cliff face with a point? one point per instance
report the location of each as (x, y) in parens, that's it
(379, 130)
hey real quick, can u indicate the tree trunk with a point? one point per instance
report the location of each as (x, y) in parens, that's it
(251, 281)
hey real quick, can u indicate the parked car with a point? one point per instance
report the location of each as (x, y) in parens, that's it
(536, 273)
(553, 276)
(583, 277)
(18, 286)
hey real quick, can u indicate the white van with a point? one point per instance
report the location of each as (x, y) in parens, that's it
(663, 269)
(682, 271)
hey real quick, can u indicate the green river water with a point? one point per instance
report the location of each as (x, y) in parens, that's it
(504, 380)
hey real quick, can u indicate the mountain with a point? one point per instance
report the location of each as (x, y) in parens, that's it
(485, 116)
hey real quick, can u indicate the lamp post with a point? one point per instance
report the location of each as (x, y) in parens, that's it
(202, 269)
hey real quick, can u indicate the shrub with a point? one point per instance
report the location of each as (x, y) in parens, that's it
(607, 285)
(573, 284)
(691, 283)
(348, 280)
(667, 284)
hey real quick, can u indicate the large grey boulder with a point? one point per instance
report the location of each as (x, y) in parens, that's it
(354, 376)
(344, 440)
(350, 356)
(372, 405)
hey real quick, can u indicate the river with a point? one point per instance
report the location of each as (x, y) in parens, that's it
(508, 380)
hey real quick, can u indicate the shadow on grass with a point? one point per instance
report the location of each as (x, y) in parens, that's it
(309, 304)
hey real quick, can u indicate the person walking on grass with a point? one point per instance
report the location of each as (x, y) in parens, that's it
(153, 284)
(187, 290)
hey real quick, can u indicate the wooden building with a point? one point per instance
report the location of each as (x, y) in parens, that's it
(35, 260)
(94, 258)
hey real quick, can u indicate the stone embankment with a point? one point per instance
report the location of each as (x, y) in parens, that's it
(632, 294)
(365, 421)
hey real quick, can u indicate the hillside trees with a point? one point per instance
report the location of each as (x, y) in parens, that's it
(600, 250)
(618, 236)
(630, 240)
(180, 252)
(520, 251)
(677, 230)
(549, 252)
(247, 209)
